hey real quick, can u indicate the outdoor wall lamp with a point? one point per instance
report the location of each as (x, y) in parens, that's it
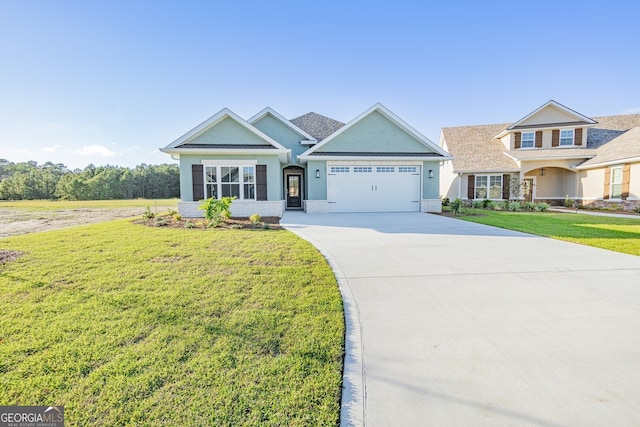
(317, 173)
(543, 171)
(430, 173)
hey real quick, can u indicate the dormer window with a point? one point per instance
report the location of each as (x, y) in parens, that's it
(528, 139)
(566, 137)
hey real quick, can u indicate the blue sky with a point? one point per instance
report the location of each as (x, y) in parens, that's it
(109, 82)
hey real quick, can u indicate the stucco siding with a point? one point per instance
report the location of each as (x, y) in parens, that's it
(592, 184)
(634, 184)
(228, 131)
(374, 133)
(316, 187)
(430, 186)
(555, 184)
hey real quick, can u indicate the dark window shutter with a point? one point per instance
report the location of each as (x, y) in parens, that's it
(261, 182)
(197, 181)
(555, 138)
(505, 186)
(518, 139)
(577, 136)
(539, 139)
(471, 187)
(607, 183)
(626, 176)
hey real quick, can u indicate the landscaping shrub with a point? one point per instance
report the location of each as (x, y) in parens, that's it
(477, 204)
(456, 205)
(514, 206)
(530, 206)
(445, 201)
(216, 210)
(542, 207)
(255, 219)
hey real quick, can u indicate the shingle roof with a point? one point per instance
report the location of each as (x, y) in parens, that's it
(625, 146)
(610, 127)
(475, 149)
(317, 125)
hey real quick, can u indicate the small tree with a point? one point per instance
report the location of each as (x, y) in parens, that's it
(216, 210)
(515, 187)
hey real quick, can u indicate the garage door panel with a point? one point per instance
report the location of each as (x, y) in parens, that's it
(374, 189)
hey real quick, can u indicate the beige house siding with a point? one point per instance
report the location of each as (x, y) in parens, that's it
(591, 184)
(555, 184)
(634, 185)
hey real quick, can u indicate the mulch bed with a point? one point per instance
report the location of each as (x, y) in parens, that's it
(8, 256)
(266, 223)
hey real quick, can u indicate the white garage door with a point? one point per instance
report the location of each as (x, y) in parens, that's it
(369, 188)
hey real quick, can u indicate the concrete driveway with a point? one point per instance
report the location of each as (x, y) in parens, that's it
(451, 323)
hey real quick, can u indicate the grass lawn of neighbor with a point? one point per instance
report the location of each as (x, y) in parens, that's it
(125, 324)
(616, 234)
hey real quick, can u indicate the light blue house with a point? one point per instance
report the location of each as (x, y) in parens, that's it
(375, 163)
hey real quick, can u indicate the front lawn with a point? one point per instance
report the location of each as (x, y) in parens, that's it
(616, 234)
(124, 324)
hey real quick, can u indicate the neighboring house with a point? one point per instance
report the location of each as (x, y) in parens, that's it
(375, 163)
(554, 152)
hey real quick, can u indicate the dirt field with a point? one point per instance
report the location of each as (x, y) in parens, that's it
(19, 221)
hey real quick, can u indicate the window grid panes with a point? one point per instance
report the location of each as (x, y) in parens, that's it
(488, 187)
(495, 187)
(230, 181)
(385, 169)
(362, 169)
(409, 169)
(339, 169)
(566, 137)
(616, 183)
(527, 140)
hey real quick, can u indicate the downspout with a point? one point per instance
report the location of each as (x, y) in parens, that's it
(459, 185)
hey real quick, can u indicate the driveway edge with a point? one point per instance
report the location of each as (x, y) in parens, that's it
(352, 407)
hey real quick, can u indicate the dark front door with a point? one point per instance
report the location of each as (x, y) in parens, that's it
(294, 195)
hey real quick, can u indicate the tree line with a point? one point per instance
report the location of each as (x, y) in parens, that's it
(31, 181)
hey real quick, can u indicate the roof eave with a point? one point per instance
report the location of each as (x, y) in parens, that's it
(609, 163)
(305, 158)
(283, 154)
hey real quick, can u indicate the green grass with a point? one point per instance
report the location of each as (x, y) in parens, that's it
(130, 325)
(48, 205)
(616, 234)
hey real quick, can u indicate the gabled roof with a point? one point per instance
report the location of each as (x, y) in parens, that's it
(579, 118)
(270, 111)
(475, 149)
(317, 125)
(573, 118)
(185, 145)
(443, 155)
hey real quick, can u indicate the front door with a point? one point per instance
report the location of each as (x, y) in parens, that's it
(294, 196)
(527, 189)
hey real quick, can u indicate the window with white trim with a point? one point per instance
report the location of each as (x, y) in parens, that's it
(488, 187)
(616, 182)
(362, 169)
(339, 169)
(528, 140)
(408, 169)
(382, 169)
(566, 137)
(230, 181)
